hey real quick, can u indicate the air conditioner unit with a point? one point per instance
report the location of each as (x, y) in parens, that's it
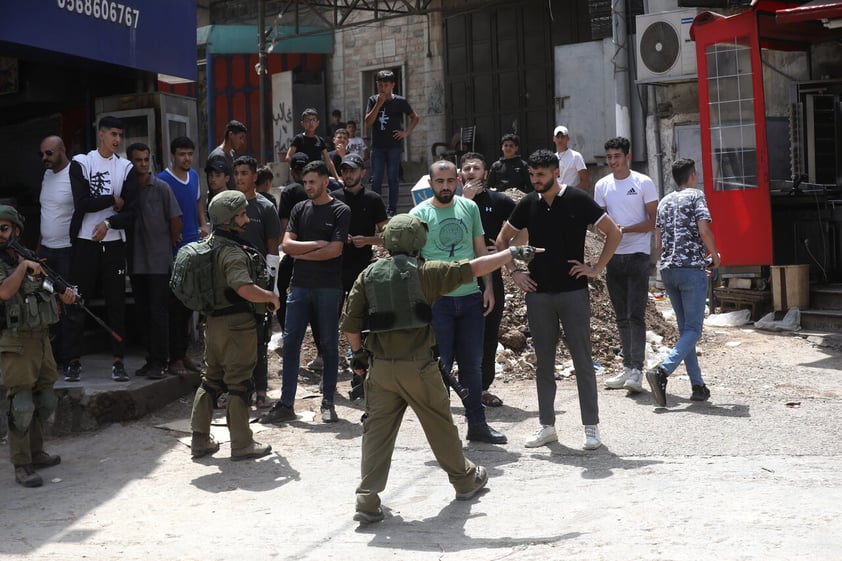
(665, 51)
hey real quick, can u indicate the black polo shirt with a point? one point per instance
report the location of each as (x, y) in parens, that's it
(560, 229)
(292, 194)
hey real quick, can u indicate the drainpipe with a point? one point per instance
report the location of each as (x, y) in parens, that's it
(653, 140)
(622, 77)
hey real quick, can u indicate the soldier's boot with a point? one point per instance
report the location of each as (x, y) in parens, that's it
(253, 450)
(27, 476)
(41, 459)
(203, 444)
(243, 445)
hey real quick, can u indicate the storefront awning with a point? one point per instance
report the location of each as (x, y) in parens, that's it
(151, 35)
(238, 39)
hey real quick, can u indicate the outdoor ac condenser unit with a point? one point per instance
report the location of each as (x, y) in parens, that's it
(664, 48)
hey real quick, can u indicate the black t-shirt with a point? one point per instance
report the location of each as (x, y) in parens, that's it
(310, 222)
(508, 174)
(336, 159)
(494, 209)
(389, 119)
(292, 194)
(560, 229)
(367, 211)
(310, 145)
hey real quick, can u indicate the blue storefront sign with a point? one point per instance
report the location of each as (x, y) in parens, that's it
(153, 35)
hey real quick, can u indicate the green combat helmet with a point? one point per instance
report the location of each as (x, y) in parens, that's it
(9, 214)
(405, 234)
(225, 206)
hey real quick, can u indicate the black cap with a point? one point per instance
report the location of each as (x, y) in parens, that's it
(218, 164)
(353, 160)
(299, 160)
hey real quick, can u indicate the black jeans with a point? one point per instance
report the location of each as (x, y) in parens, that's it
(59, 260)
(492, 327)
(627, 278)
(151, 295)
(100, 264)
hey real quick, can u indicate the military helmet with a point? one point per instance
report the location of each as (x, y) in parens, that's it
(9, 214)
(225, 206)
(405, 234)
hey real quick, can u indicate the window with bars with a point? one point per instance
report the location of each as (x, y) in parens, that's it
(732, 123)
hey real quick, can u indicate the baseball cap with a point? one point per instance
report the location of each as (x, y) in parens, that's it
(353, 160)
(217, 164)
(561, 130)
(299, 160)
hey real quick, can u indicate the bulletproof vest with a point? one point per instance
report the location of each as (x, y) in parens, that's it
(32, 306)
(225, 296)
(395, 298)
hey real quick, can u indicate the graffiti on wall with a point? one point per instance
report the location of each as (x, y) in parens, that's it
(283, 128)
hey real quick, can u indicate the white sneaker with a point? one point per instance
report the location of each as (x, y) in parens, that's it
(317, 364)
(634, 381)
(544, 435)
(616, 382)
(592, 441)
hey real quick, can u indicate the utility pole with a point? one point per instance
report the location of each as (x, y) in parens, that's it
(261, 75)
(622, 78)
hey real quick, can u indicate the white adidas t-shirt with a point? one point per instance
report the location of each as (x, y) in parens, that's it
(625, 201)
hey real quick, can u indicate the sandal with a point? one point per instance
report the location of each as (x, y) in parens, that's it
(177, 368)
(190, 365)
(491, 400)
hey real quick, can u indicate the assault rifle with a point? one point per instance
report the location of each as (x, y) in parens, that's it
(59, 285)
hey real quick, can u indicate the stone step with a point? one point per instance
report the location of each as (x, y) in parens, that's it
(826, 297)
(822, 320)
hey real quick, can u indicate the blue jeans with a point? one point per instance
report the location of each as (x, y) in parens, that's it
(627, 277)
(389, 160)
(687, 289)
(459, 326)
(544, 311)
(301, 302)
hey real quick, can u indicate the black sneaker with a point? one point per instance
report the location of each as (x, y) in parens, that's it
(329, 412)
(143, 370)
(156, 372)
(279, 413)
(657, 379)
(118, 372)
(73, 372)
(700, 393)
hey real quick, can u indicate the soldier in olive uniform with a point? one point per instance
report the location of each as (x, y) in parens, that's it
(391, 299)
(27, 366)
(231, 330)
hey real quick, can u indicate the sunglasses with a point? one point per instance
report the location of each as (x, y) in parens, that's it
(5, 228)
(47, 153)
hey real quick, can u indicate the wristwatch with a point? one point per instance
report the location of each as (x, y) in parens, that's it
(107, 224)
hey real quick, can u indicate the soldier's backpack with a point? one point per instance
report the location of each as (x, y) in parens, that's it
(192, 279)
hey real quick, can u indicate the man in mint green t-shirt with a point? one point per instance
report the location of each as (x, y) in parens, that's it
(455, 233)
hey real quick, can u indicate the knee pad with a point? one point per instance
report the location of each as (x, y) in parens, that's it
(214, 389)
(46, 401)
(21, 410)
(243, 391)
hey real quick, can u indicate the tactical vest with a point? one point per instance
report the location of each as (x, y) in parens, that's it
(226, 299)
(395, 298)
(32, 306)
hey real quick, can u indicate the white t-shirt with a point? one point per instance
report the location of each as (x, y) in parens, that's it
(625, 201)
(356, 145)
(105, 177)
(569, 164)
(56, 208)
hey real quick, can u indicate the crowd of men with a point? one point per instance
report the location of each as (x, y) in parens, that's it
(435, 303)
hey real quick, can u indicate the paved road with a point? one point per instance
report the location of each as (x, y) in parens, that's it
(741, 477)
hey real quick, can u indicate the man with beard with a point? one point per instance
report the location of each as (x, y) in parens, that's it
(368, 218)
(27, 366)
(459, 316)
(494, 209)
(56, 210)
(556, 286)
(315, 236)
